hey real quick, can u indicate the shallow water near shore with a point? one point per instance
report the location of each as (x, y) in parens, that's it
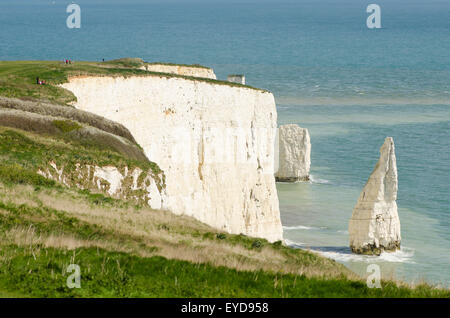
(345, 149)
(350, 86)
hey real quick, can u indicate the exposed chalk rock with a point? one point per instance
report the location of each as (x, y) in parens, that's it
(214, 142)
(111, 175)
(140, 186)
(375, 225)
(294, 154)
(185, 70)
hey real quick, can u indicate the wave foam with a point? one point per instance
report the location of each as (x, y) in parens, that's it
(299, 227)
(293, 244)
(404, 255)
(319, 181)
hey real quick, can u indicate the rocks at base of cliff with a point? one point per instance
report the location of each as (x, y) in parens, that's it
(375, 226)
(294, 154)
(373, 249)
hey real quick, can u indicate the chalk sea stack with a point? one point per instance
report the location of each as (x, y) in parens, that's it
(375, 225)
(294, 160)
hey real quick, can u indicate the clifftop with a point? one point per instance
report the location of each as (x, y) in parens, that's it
(18, 78)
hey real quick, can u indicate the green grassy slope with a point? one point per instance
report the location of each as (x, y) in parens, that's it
(112, 274)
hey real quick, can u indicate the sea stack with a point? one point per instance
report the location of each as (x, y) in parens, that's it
(375, 225)
(294, 154)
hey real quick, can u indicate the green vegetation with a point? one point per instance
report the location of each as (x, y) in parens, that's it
(66, 125)
(112, 274)
(68, 113)
(127, 62)
(23, 154)
(16, 174)
(18, 78)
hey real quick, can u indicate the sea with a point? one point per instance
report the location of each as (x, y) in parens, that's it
(351, 86)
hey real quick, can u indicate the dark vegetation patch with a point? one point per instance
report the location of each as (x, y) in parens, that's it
(66, 126)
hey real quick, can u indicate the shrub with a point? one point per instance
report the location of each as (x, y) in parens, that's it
(66, 126)
(221, 236)
(256, 244)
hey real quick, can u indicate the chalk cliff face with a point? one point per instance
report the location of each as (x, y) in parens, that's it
(375, 225)
(214, 142)
(181, 70)
(294, 154)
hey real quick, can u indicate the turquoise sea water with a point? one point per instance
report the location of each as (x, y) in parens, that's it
(349, 85)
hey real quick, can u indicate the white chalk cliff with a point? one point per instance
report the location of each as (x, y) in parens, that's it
(185, 70)
(375, 226)
(214, 142)
(294, 154)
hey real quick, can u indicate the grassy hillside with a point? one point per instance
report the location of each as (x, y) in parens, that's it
(124, 248)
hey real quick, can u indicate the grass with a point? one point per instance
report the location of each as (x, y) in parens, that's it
(24, 153)
(133, 251)
(70, 216)
(114, 274)
(18, 78)
(68, 113)
(16, 174)
(66, 125)
(127, 62)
